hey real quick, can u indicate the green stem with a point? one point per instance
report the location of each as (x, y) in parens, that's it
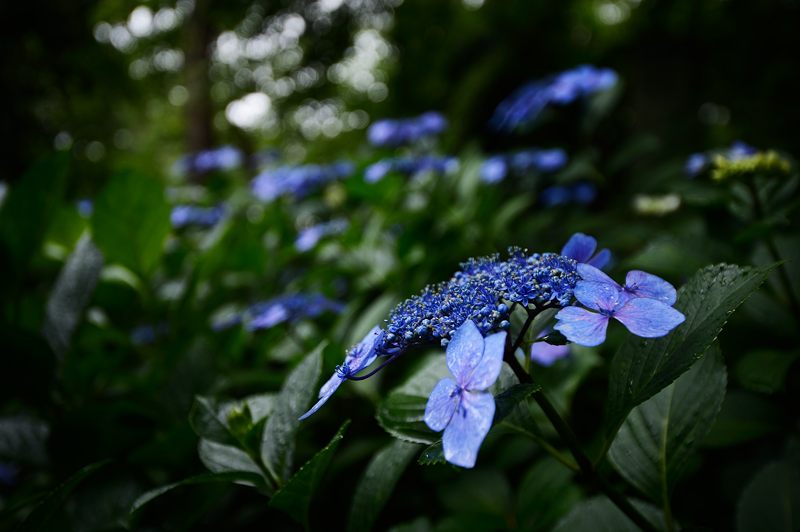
(552, 451)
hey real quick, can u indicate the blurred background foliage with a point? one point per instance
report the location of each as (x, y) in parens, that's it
(111, 314)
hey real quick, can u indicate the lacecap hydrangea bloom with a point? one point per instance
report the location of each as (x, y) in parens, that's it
(395, 133)
(194, 216)
(524, 105)
(580, 193)
(410, 167)
(287, 308)
(222, 158)
(297, 181)
(309, 237)
(497, 167)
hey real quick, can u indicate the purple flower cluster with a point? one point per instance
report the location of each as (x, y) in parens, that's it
(497, 167)
(580, 193)
(297, 181)
(410, 167)
(394, 133)
(697, 163)
(289, 308)
(222, 158)
(310, 236)
(525, 104)
(194, 216)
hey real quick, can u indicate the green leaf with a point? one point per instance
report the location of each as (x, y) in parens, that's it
(643, 367)
(207, 478)
(30, 207)
(599, 514)
(54, 500)
(130, 221)
(744, 417)
(765, 370)
(295, 497)
(219, 458)
(209, 422)
(656, 440)
(378, 482)
(547, 493)
(299, 388)
(771, 501)
(23, 440)
(71, 294)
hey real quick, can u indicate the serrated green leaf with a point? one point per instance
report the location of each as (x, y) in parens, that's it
(771, 501)
(71, 294)
(220, 458)
(378, 482)
(130, 221)
(654, 444)
(209, 422)
(295, 497)
(299, 388)
(546, 493)
(643, 367)
(599, 514)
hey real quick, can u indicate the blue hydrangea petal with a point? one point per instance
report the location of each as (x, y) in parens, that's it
(464, 352)
(591, 273)
(325, 393)
(643, 284)
(468, 427)
(579, 247)
(488, 369)
(601, 260)
(365, 352)
(546, 354)
(442, 403)
(648, 318)
(598, 296)
(581, 326)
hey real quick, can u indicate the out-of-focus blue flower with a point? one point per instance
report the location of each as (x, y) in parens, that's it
(85, 207)
(546, 354)
(582, 248)
(463, 408)
(581, 193)
(358, 358)
(584, 192)
(410, 166)
(192, 215)
(310, 236)
(288, 308)
(222, 158)
(147, 334)
(497, 167)
(643, 305)
(526, 103)
(8, 474)
(394, 133)
(699, 162)
(297, 181)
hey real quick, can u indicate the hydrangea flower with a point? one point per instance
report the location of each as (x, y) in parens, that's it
(582, 193)
(497, 167)
(410, 166)
(310, 236)
(148, 334)
(582, 248)
(546, 354)
(643, 305)
(222, 158)
(192, 215)
(358, 358)
(85, 207)
(288, 308)
(525, 104)
(697, 163)
(394, 133)
(297, 181)
(463, 408)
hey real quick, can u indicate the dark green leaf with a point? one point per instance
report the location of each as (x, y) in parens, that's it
(546, 494)
(642, 368)
(71, 294)
(23, 440)
(599, 514)
(131, 221)
(209, 422)
(378, 482)
(656, 440)
(771, 501)
(765, 370)
(300, 387)
(295, 497)
(744, 417)
(219, 458)
(42, 513)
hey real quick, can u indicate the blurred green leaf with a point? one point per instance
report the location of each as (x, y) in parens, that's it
(220, 458)
(764, 370)
(131, 221)
(771, 501)
(23, 440)
(295, 497)
(209, 422)
(71, 293)
(744, 417)
(378, 482)
(599, 514)
(654, 444)
(546, 493)
(641, 368)
(299, 388)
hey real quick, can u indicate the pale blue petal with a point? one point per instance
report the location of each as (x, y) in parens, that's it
(601, 260)
(579, 247)
(643, 284)
(592, 274)
(468, 427)
(581, 326)
(648, 318)
(598, 296)
(546, 354)
(488, 369)
(324, 394)
(464, 352)
(442, 404)
(364, 352)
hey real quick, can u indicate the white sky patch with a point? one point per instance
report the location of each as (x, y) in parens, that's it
(250, 111)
